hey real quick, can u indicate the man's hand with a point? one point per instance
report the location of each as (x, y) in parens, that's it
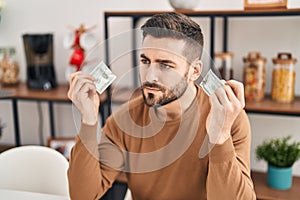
(83, 94)
(226, 104)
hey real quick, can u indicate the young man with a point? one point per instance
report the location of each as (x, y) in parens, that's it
(174, 142)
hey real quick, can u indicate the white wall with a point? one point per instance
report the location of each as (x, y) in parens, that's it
(267, 35)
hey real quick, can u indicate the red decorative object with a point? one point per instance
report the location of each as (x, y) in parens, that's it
(77, 58)
(73, 41)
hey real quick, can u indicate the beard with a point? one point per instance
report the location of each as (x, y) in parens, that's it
(168, 94)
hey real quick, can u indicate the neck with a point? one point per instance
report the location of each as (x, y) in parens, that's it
(176, 108)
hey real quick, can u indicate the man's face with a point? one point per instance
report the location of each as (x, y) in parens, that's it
(164, 71)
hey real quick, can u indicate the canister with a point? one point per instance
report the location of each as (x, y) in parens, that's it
(283, 78)
(254, 76)
(224, 63)
(9, 68)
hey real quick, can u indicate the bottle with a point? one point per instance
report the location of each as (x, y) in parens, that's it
(283, 78)
(9, 68)
(223, 62)
(254, 76)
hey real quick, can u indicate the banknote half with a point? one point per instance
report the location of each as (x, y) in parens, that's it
(211, 82)
(103, 76)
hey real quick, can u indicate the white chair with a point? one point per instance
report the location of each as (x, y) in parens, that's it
(35, 169)
(128, 195)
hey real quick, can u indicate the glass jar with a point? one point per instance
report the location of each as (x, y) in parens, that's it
(9, 69)
(254, 76)
(223, 62)
(283, 78)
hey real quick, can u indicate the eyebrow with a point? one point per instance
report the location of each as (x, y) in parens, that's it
(166, 61)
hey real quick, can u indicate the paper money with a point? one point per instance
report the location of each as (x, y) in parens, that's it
(103, 76)
(211, 82)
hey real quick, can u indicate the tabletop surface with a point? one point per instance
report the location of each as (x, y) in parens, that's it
(6, 194)
(21, 91)
(264, 192)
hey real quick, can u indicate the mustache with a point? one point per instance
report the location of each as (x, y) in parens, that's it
(153, 85)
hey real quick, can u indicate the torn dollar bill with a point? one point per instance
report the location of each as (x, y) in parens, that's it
(103, 76)
(211, 83)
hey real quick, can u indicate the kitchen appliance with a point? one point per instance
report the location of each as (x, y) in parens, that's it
(39, 58)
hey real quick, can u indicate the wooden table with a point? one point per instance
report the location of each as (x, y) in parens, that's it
(264, 192)
(22, 92)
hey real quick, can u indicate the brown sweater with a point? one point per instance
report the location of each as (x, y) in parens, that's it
(162, 159)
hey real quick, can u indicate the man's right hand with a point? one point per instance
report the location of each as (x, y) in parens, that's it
(83, 94)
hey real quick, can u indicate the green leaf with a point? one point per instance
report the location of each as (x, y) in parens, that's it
(279, 152)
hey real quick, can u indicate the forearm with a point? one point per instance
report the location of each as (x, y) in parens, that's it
(228, 176)
(84, 174)
(88, 179)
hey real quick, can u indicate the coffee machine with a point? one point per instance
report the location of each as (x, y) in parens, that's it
(39, 58)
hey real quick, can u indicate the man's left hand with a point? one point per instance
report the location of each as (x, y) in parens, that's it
(226, 104)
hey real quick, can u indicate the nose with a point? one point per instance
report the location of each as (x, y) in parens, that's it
(152, 73)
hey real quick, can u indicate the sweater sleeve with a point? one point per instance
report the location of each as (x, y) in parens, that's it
(88, 177)
(229, 165)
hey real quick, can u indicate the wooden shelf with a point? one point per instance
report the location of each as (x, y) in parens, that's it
(268, 106)
(265, 106)
(221, 13)
(264, 192)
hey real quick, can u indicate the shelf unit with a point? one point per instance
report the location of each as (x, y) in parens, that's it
(21, 92)
(266, 106)
(264, 192)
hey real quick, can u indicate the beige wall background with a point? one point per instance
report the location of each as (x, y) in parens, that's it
(268, 35)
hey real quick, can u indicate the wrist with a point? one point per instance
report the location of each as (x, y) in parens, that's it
(219, 138)
(89, 120)
(222, 153)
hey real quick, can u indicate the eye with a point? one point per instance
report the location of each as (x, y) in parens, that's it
(165, 66)
(144, 61)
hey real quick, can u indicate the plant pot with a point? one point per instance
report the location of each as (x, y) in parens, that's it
(279, 178)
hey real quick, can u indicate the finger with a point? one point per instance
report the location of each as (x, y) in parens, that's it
(75, 89)
(78, 76)
(222, 96)
(88, 89)
(73, 75)
(72, 83)
(230, 93)
(80, 84)
(85, 95)
(213, 100)
(238, 89)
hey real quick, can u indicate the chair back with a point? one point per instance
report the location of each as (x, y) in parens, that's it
(128, 195)
(35, 169)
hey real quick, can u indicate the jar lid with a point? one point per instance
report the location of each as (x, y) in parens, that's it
(223, 55)
(284, 58)
(254, 57)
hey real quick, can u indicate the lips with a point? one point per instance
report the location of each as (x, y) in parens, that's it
(151, 89)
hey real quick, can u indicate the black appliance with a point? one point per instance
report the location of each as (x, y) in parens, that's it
(39, 58)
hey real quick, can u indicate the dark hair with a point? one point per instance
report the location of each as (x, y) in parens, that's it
(179, 26)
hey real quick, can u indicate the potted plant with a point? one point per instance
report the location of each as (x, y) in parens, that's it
(280, 154)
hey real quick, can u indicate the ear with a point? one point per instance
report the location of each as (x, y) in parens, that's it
(196, 68)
